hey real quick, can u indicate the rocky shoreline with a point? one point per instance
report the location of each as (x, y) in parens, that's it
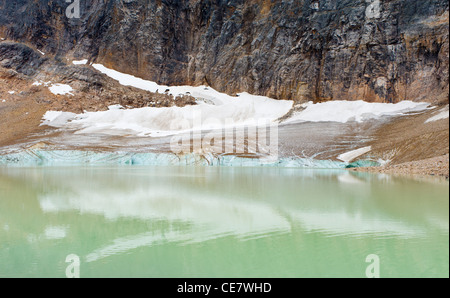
(436, 166)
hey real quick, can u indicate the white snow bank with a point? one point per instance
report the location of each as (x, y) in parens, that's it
(351, 155)
(442, 114)
(129, 80)
(57, 89)
(345, 111)
(173, 120)
(215, 110)
(262, 105)
(61, 89)
(52, 115)
(80, 62)
(57, 119)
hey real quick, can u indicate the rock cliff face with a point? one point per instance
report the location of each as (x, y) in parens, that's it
(29, 74)
(375, 50)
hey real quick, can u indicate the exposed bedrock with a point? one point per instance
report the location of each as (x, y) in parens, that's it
(375, 50)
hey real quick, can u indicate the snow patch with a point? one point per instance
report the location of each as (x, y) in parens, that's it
(40, 83)
(52, 115)
(203, 94)
(115, 107)
(57, 119)
(168, 121)
(215, 110)
(80, 62)
(442, 114)
(351, 155)
(359, 111)
(61, 89)
(129, 80)
(11, 92)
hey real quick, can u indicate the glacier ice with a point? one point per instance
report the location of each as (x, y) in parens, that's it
(36, 157)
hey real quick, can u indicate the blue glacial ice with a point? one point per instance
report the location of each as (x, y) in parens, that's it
(34, 157)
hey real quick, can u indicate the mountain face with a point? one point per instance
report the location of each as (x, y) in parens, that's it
(375, 50)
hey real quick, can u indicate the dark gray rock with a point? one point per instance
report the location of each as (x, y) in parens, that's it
(20, 58)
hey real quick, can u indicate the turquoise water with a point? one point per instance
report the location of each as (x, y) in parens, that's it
(147, 221)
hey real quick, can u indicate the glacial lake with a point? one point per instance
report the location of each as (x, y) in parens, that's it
(141, 221)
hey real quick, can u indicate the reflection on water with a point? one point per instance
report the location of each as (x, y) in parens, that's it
(220, 222)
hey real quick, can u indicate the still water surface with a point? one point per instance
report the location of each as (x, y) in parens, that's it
(220, 222)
